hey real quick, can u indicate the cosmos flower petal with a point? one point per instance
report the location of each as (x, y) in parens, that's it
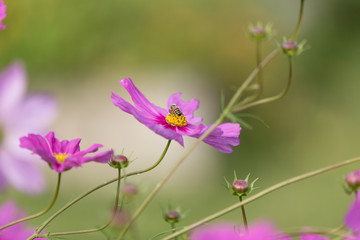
(222, 137)
(140, 101)
(2, 14)
(10, 212)
(35, 112)
(352, 218)
(22, 175)
(70, 147)
(13, 84)
(102, 157)
(38, 145)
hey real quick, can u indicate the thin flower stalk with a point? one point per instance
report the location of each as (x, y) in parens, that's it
(244, 215)
(273, 98)
(40, 228)
(223, 115)
(40, 213)
(116, 205)
(261, 194)
(297, 29)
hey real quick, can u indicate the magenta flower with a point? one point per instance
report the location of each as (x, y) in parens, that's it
(313, 237)
(8, 213)
(2, 14)
(352, 218)
(258, 231)
(177, 120)
(20, 114)
(62, 156)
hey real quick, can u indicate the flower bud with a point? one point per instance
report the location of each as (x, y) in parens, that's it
(260, 32)
(172, 216)
(292, 48)
(240, 186)
(119, 161)
(353, 180)
(129, 190)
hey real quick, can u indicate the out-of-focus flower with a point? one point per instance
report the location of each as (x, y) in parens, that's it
(63, 155)
(2, 14)
(177, 120)
(8, 213)
(258, 231)
(20, 114)
(352, 218)
(313, 237)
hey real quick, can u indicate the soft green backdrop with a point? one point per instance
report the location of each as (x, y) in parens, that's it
(78, 50)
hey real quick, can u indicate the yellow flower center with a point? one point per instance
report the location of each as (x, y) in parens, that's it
(60, 157)
(176, 120)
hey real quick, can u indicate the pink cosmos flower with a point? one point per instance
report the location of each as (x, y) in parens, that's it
(258, 231)
(352, 218)
(20, 114)
(313, 237)
(8, 213)
(62, 156)
(2, 14)
(177, 120)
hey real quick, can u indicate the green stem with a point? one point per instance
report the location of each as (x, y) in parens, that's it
(99, 187)
(43, 211)
(263, 193)
(244, 215)
(273, 98)
(94, 229)
(297, 29)
(226, 111)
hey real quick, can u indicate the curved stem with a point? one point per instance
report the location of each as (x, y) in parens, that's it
(94, 229)
(43, 211)
(273, 98)
(263, 193)
(297, 29)
(96, 188)
(226, 111)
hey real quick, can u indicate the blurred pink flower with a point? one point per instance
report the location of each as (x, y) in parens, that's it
(2, 14)
(313, 237)
(62, 156)
(20, 114)
(352, 218)
(8, 213)
(177, 120)
(258, 231)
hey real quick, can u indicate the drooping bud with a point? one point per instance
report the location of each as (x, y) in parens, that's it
(259, 31)
(119, 161)
(353, 181)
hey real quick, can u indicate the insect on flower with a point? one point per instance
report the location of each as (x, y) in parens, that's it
(173, 109)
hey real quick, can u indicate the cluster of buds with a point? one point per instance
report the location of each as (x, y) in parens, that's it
(239, 187)
(352, 181)
(119, 161)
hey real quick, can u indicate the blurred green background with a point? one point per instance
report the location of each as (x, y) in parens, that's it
(79, 50)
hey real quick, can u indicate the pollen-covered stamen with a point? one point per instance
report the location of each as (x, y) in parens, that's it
(60, 157)
(175, 120)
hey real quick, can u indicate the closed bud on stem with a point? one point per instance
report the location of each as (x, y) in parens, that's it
(119, 161)
(353, 181)
(240, 186)
(292, 48)
(172, 216)
(259, 31)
